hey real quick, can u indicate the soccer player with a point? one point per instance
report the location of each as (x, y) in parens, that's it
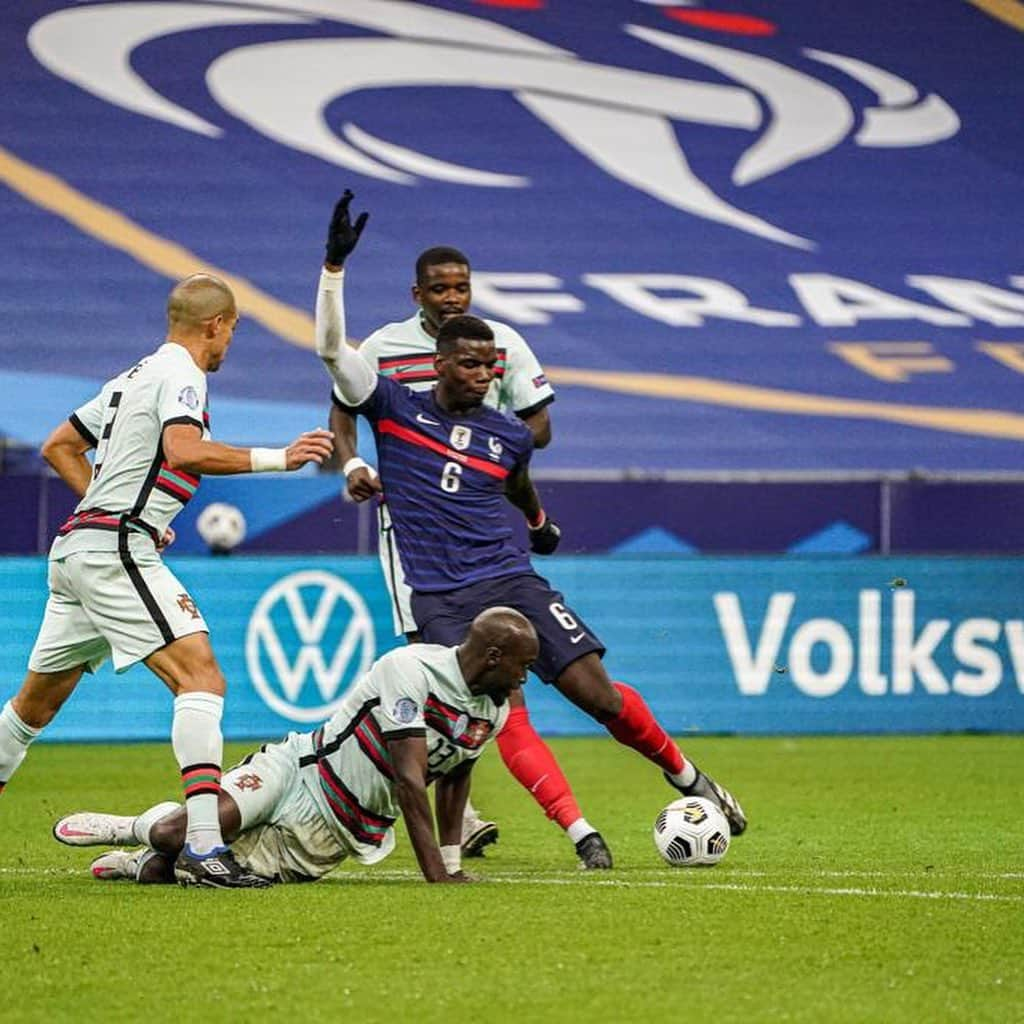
(296, 809)
(109, 591)
(446, 462)
(404, 352)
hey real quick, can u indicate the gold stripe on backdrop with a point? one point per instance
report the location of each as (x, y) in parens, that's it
(1010, 12)
(293, 325)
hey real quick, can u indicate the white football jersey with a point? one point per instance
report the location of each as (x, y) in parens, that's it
(413, 690)
(134, 494)
(405, 352)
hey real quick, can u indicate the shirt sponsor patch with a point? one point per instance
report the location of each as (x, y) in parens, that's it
(189, 397)
(540, 381)
(405, 710)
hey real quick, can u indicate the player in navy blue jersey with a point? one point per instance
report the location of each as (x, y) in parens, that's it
(405, 353)
(446, 463)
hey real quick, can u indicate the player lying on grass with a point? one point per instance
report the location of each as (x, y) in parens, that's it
(447, 462)
(295, 809)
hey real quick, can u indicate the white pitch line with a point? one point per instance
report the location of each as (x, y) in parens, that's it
(622, 883)
(682, 885)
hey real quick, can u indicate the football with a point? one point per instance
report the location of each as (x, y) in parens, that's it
(221, 526)
(691, 832)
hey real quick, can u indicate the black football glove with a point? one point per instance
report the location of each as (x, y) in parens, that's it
(544, 538)
(343, 235)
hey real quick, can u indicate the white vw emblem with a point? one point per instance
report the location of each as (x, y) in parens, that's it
(285, 643)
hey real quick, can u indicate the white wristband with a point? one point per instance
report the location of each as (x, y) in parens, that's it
(452, 857)
(268, 460)
(353, 464)
(332, 280)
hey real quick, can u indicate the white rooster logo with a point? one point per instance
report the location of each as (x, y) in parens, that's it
(622, 120)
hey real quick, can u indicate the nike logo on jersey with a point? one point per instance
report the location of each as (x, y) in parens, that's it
(577, 638)
(420, 418)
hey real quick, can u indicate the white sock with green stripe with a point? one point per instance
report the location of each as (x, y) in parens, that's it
(15, 737)
(199, 747)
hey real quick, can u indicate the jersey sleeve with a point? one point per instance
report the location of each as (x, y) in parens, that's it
(524, 388)
(403, 686)
(377, 404)
(182, 399)
(369, 350)
(88, 419)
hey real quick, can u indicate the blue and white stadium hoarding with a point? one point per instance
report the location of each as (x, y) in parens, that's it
(746, 645)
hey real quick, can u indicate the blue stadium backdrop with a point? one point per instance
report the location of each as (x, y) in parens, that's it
(785, 236)
(786, 645)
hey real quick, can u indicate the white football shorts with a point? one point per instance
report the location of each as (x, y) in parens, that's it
(103, 605)
(284, 834)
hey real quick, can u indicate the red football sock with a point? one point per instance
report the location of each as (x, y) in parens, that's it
(636, 727)
(530, 760)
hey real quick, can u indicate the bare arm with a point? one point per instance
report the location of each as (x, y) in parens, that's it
(409, 758)
(184, 448)
(545, 533)
(520, 491)
(451, 792)
(65, 450)
(362, 482)
(540, 426)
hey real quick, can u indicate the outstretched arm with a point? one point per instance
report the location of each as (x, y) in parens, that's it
(354, 379)
(184, 448)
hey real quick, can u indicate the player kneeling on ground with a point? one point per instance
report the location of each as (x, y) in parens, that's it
(295, 809)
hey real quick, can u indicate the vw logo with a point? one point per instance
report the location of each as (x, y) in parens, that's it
(310, 625)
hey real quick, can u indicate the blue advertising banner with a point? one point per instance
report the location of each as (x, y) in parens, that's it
(748, 645)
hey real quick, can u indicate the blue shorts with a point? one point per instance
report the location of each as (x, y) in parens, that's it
(444, 618)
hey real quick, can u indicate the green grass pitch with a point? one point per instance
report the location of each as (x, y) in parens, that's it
(882, 879)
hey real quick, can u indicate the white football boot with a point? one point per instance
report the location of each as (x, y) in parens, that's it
(119, 864)
(89, 828)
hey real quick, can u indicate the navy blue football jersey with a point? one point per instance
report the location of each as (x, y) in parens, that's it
(444, 483)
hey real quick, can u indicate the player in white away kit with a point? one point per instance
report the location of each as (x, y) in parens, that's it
(405, 352)
(110, 593)
(422, 714)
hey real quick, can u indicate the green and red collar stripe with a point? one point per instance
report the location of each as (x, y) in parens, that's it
(420, 366)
